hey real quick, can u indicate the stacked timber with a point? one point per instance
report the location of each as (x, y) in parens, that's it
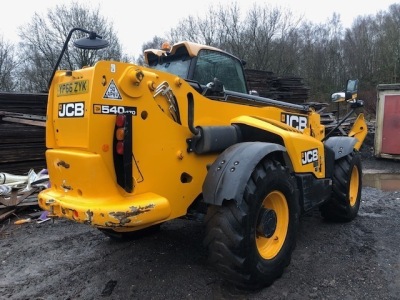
(22, 132)
(24, 103)
(284, 88)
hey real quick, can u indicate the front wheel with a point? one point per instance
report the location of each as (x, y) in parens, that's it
(346, 191)
(250, 240)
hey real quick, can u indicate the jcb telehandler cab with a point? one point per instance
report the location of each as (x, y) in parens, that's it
(131, 147)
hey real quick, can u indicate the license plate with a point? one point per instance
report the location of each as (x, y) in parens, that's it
(73, 88)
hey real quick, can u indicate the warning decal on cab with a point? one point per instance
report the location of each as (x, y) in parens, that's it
(112, 92)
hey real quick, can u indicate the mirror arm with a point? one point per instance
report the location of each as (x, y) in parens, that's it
(338, 124)
(91, 33)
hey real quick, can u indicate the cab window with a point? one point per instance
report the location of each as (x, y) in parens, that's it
(212, 64)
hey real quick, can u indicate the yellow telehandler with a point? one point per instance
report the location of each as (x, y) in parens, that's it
(131, 147)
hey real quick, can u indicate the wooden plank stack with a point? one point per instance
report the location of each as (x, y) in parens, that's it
(284, 88)
(22, 132)
(34, 104)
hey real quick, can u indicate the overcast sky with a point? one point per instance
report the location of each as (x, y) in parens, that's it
(137, 22)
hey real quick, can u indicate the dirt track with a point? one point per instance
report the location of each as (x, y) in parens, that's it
(65, 260)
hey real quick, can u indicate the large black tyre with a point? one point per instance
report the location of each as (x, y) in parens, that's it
(250, 240)
(119, 236)
(344, 204)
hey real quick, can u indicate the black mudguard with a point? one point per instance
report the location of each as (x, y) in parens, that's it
(341, 145)
(228, 175)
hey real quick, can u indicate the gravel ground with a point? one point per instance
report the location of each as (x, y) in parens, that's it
(66, 260)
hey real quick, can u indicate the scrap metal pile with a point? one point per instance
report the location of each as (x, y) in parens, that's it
(18, 192)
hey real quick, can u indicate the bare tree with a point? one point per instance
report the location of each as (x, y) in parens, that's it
(270, 39)
(388, 45)
(43, 39)
(8, 65)
(255, 36)
(325, 55)
(232, 30)
(321, 57)
(360, 49)
(187, 29)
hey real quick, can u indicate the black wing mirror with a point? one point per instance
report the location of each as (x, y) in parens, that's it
(92, 42)
(351, 89)
(349, 94)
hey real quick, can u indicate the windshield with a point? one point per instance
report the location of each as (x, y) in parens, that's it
(175, 65)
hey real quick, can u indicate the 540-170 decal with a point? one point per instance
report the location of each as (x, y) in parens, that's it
(113, 109)
(77, 109)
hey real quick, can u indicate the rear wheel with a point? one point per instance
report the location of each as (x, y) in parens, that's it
(250, 240)
(346, 191)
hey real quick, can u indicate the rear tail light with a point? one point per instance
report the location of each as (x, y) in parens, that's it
(120, 120)
(123, 151)
(120, 127)
(120, 134)
(119, 147)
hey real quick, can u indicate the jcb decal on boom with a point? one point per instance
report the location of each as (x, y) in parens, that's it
(309, 156)
(71, 110)
(297, 121)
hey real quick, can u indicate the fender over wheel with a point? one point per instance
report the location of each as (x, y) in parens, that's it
(346, 191)
(251, 243)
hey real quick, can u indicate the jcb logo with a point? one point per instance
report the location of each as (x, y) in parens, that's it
(297, 121)
(309, 156)
(71, 110)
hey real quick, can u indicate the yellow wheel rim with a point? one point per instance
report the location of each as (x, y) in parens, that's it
(354, 185)
(269, 247)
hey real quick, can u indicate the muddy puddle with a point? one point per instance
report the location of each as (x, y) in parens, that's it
(383, 181)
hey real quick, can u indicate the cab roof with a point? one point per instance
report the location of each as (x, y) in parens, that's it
(180, 48)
